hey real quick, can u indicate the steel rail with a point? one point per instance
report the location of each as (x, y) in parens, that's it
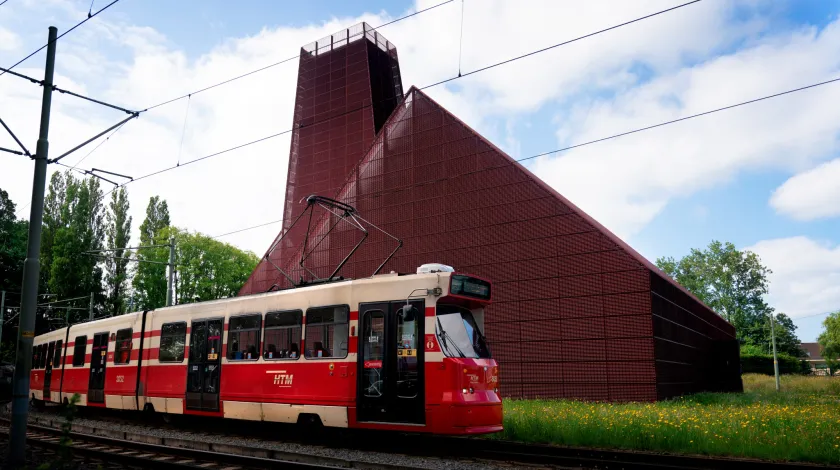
(139, 450)
(510, 452)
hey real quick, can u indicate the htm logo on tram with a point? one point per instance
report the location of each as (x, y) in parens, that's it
(281, 378)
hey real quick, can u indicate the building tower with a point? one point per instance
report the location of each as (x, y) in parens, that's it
(348, 84)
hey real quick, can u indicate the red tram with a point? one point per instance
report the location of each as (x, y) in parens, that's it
(392, 352)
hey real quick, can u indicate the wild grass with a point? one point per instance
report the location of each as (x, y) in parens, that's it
(800, 423)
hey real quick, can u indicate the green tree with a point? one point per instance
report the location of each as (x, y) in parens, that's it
(207, 268)
(79, 227)
(786, 340)
(118, 233)
(56, 213)
(13, 238)
(150, 278)
(829, 341)
(731, 282)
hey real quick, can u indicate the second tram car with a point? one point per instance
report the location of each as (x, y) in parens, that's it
(391, 352)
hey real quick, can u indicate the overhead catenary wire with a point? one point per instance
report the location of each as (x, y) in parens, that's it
(570, 147)
(184, 130)
(99, 145)
(506, 61)
(289, 59)
(20, 144)
(60, 36)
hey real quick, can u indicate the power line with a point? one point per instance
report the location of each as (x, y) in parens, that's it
(817, 314)
(507, 61)
(614, 136)
(60, 36)
(248, 228)
(289, 59)
(98, 145)
(512, 59)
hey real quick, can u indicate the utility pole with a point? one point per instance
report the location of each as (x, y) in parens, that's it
(171, 271)
(90, 310)
(2, 312)
(31, 271)
(775, 357)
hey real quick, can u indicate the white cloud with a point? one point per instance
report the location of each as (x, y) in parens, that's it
(627, 181)
(597, 82)
(806, 274)
(811, 194)
(9, 41)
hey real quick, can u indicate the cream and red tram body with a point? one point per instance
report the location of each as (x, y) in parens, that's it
(396, 352)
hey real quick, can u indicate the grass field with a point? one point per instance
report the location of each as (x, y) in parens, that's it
(801, 423)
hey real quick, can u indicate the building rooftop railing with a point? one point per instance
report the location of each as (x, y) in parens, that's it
(345, 37)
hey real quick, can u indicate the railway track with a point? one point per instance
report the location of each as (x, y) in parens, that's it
(131, 451)
(490, 451)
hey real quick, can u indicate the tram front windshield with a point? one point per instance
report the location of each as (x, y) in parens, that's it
(458, 334)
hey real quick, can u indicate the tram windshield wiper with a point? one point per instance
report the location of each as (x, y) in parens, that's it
(444, 335)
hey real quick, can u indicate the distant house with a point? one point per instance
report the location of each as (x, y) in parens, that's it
(813, 352)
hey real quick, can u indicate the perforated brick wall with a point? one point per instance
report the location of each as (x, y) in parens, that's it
(577, 313)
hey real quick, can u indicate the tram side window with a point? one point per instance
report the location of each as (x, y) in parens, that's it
(42, 358)
(173, 338)
(282, 335)
(122, 351)
(36, 357)
(327, 332)
(244, 337)
(57, 355)
(79, 349)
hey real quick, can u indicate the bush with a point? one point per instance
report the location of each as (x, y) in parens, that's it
(763, 364)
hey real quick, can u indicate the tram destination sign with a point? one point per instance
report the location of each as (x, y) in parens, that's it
(469, 287)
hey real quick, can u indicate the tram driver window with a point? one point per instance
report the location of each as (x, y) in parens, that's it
(244, 337)
(173, 337)
(79, 349)
(122, 350)
(282, 335)
(326, 332)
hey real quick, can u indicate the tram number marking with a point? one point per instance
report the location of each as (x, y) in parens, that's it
(473, 378)
(120, 379)
(281, 378)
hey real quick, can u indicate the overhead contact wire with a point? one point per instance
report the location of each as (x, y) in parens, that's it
(425, 87)
(295, 57)
(614, 136)
(61, 35)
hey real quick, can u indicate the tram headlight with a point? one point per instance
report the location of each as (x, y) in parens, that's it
(464, 391)
(471, 390)
(496, 390)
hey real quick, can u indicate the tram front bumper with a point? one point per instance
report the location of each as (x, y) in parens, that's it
(477, 419)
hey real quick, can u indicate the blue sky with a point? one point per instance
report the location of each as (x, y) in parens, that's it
(762, 176)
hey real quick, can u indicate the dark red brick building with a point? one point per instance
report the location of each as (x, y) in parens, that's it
(578, 313)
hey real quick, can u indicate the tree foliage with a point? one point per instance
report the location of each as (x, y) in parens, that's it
(829, 341)
(118, 232)
(734, 283)
(75, 225)
(13, 238)
(207, 268)
(150, 278)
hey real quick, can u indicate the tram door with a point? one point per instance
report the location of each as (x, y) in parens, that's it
(204, 367)
(98, 360)
(48, 371)
(391, 363)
